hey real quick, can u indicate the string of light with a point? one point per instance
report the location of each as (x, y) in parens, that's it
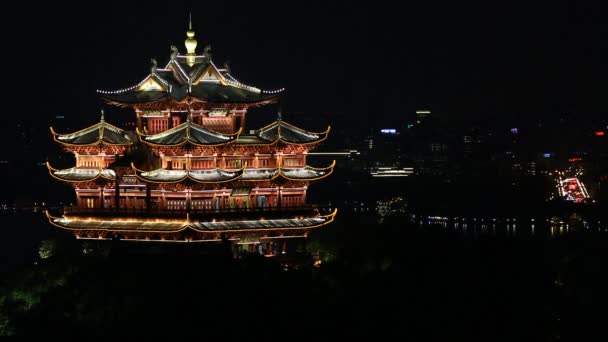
(122, 90)
(273, 91)
(162, 81)
(230, 80)
(183, 72)
(233, 81)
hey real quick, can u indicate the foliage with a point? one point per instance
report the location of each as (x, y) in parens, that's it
(391, 278)
(47, 248)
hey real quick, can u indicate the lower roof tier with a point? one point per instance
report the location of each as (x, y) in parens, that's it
(76, 174)
(163, 225)
(307, 173)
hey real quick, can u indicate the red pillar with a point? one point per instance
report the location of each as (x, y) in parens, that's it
(101, 198)
(243, 121)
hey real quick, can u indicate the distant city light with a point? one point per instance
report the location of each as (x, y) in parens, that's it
(547, 155)
(392, 172)
(514, 130)
(599, 133)
(389, 131)
(575, 159)
(422, 115)
(59, 117)
(572, 189)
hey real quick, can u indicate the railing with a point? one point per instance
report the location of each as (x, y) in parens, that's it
(192, 212)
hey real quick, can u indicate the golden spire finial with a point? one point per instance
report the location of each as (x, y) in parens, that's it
(190, 43)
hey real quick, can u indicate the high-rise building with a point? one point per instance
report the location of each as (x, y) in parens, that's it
(422, 116)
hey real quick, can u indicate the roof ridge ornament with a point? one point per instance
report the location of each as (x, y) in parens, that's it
(190, 44)
(174, 52)
(207, 52)
(153, 68)
(227, 66)
(102, 115)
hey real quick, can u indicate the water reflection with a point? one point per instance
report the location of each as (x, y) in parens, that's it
(509, 226)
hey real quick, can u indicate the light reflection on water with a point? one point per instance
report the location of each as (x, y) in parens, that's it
(509, 226)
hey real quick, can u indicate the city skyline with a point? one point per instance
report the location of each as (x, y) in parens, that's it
(429, 171)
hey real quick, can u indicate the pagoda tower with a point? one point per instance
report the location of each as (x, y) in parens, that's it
(189, 172)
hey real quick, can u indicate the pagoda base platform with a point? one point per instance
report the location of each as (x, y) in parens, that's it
(274, 225)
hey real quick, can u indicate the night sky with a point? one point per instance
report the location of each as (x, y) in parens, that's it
(356, 66)
(370, 61)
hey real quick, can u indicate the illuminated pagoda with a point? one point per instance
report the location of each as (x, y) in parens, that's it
(189, 172)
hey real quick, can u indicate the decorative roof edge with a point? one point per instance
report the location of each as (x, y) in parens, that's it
(99, 175)
(188, 176)
(98, 141)
(329, 218)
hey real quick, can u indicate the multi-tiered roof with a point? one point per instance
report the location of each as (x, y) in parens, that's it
(178, 82)
(201, 177)
(190, 78)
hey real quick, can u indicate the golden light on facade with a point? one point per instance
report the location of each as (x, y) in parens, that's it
(190, 44)
(205, 165)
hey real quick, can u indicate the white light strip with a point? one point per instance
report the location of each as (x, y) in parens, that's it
(107, 156)
(186, 56)
(168, 240)
(392, 172)
(162, 80)
(329, 153)
(231, 80)
(273, 91)
(155, 240)
(373, 175)
(183, 72)
(283, 237)
(125, 89)
(582, 187)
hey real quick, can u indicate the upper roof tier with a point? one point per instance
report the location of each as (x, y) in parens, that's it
(281, 130)
(188, 132)
(189, 78)
(101, 132)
